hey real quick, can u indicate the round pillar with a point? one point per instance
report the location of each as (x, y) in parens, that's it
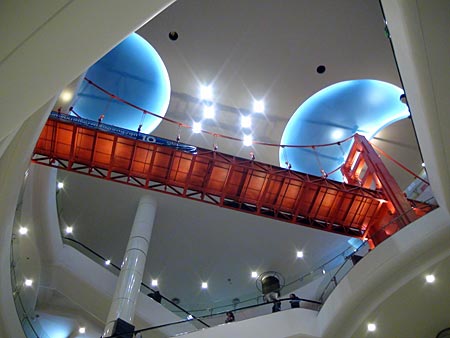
(127, 289)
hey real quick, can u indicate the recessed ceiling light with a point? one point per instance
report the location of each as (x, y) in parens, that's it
(28, 282)
(258, 106)
(246, 121)
(69, 230)
(189, 317)
(206, 92)
(209, 111)
(423, 164)
(82, 330)
(204, 285)
(23, 230)
(430, 278)
(323, 271)
(66, 96)
(371, 327)
(299, 254)
(60, 185)
(197, 127)
(248, 140)
(254, 274)
(107, 262)
(154, 282)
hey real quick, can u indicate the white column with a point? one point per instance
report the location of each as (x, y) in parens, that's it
(130, 278)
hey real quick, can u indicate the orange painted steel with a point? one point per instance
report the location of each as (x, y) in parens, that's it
(214, 178)
(365, 168)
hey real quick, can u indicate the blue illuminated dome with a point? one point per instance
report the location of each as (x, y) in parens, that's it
(134, 72)
(333, 114)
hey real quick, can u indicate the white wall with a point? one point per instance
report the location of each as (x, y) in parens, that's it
(45, 45)
(300, 323)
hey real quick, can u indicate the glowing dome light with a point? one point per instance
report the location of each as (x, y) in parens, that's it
(133, 71)
(333, 114)
(23, 230)
(66, 96)
(430, 278)
(371, 327)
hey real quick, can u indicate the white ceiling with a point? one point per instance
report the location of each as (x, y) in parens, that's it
(249, 48)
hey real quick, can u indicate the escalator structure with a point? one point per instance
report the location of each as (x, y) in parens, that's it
(360, 209)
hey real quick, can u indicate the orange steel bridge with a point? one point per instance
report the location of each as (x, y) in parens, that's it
(236, 183)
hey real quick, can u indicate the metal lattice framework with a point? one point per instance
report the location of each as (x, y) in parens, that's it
(214, 178)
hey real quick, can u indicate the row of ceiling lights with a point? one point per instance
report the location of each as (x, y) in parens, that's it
(206, 95)
(209, 111)
(430, 278)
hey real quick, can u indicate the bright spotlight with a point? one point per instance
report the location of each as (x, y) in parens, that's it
(206, 92)
(248, 140)
(154, 282)
(66, 96)
(246, 121)
(189, 317)
(60, 185)
(254, 274)
(204, 285)
(430, 278)
(337, 134)
(197, 127)
(299, 254)
(23, 230)
(258, 106)
(371, 327)
(28, 282)
(108, 262)
(69, 230)
(209, 111)
(82, 330)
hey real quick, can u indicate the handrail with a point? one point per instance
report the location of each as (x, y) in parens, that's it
(142, 283)
(221, 306)
(319, 268)
(347, 258)
(209, 316)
